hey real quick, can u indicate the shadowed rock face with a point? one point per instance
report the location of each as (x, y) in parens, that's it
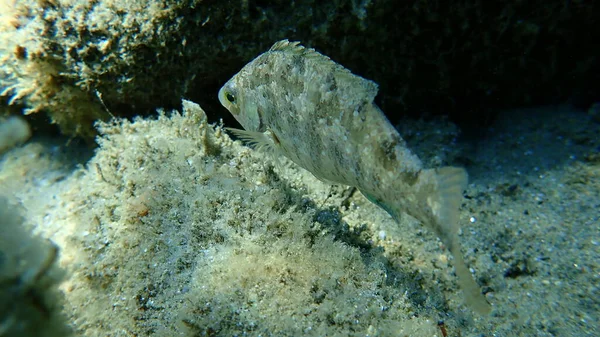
(466, 60)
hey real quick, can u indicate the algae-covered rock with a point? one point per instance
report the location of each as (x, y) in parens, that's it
(67, 58)
(182, 231)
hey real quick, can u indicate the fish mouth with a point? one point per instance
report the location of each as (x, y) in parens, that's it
(222, 96)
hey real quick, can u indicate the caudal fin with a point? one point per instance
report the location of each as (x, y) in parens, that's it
(445, 202)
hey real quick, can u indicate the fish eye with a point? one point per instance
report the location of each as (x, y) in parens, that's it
(230, 97)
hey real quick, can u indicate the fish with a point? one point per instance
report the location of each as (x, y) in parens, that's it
(294, 101)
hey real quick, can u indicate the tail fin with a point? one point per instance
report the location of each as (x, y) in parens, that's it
(439, 194)
(445, 203)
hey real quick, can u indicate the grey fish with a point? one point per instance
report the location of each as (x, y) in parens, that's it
(301, 104)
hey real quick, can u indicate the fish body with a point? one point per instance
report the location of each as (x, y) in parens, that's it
(301, 104)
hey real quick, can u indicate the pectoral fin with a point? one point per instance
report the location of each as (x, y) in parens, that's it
(257, 140)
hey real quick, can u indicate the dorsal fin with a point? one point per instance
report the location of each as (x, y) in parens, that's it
(286, 45)
(296, 48)
(359, 88)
